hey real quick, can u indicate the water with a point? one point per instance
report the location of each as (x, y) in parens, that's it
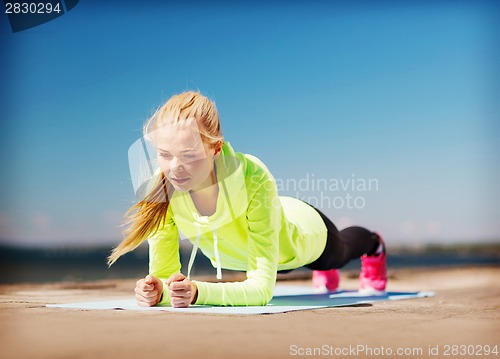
(53, 265)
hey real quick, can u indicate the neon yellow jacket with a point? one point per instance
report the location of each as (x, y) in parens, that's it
(252, 230)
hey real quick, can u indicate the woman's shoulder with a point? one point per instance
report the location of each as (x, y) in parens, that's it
(255, 169)
(250, 163)
(255, 162)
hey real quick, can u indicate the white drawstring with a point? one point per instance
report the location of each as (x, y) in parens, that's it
(217, 260)
(193, 253)
(195, 250)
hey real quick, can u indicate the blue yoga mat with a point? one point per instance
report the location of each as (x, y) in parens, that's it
(286, 299)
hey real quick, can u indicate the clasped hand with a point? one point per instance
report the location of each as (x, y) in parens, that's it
(149, 290)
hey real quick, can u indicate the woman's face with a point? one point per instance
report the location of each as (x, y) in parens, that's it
(183, 157)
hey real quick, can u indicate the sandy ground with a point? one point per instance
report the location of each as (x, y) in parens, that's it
(464, 312)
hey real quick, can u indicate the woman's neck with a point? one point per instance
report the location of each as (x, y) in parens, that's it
(205, 200)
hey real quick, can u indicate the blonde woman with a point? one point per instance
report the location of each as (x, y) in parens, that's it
(227, 204)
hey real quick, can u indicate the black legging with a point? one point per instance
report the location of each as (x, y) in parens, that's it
(343, 246)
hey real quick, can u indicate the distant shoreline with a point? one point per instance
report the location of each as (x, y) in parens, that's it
(23, 265)
(476, 247)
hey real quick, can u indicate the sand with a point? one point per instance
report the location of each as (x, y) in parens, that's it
(465, 311)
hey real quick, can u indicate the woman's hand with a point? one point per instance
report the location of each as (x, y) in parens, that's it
(148, 291)
(182, 291)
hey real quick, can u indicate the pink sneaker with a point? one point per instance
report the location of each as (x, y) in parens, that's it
(373, 277)
(325, 280)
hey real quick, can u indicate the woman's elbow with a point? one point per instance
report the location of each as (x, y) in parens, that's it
(264, 298)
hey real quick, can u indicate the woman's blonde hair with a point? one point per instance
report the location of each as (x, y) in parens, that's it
(144, 218)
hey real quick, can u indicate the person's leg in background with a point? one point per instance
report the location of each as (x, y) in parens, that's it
(341, 247)
(373, 276)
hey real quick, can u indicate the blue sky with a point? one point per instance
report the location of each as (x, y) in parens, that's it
(400, 93)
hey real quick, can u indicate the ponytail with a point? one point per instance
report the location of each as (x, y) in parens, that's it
(143, 219)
